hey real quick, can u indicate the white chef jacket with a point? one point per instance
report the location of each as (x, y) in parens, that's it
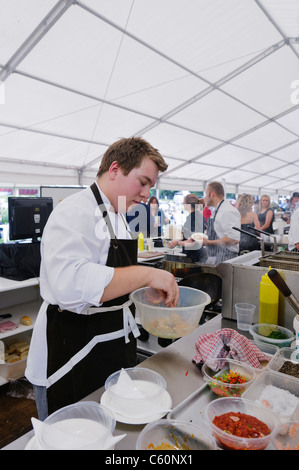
(227, 217)
(73, 274)
(294, 230)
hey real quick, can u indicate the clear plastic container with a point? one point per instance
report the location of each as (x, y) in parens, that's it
(166, 434)
(287, 436)
(220, 388)
(266, 348)
(269, 350)
(270, 378)
(166, 322)
(229, 441)
(286, 357)
(260, 332)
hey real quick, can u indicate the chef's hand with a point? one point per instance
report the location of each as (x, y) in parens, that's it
(165, 283)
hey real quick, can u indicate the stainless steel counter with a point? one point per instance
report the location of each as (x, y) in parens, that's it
(174, 363)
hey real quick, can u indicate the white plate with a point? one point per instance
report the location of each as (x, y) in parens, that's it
(198, 236)
(32, 444)
(165, 402)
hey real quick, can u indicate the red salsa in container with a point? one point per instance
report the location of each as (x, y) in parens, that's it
(240, 425)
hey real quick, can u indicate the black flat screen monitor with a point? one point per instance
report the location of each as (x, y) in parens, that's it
(27, 216)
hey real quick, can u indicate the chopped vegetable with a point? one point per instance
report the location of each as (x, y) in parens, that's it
(231, 378)
(277, 335)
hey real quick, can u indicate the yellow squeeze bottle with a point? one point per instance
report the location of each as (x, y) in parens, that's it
(140, 242)
(269, 301)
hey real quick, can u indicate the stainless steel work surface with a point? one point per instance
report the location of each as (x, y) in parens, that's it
(174, 363)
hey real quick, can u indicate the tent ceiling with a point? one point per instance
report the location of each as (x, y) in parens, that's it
(207, 83)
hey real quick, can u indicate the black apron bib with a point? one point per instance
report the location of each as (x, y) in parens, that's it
(68, 333)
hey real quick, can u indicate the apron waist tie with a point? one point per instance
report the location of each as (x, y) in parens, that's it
(129, 326)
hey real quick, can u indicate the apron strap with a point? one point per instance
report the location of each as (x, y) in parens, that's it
(129, 326)
(103, 209)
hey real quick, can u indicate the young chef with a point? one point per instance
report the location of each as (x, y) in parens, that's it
(85, 329)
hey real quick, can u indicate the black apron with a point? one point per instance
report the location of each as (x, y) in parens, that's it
(68, 333)
(220, 253)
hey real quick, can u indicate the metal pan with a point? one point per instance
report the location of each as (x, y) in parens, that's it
(207, 282)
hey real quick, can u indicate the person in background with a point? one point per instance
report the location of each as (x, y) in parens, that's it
(223, 240)
(206, 213)
(193, 224)
(158, 216)
(294, 232)
(140, 219)
(295, 201)
(85, 329)
(266, 215)
(249, 219)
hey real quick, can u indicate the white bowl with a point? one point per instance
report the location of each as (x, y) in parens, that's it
(87, 423)
(135, 392)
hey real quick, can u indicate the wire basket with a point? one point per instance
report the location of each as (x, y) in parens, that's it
(288, 260)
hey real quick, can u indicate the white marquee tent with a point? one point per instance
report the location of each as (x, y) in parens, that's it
(213, 84)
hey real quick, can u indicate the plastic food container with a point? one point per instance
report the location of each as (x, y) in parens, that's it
(229, 441)
(88, 423)
(223, 367)
(135, 391)
(286, 362)
(266, 348)
(278, 403)
(287, 436)
(166, 434)
(261, 331)
(13, 370)
(166, 322)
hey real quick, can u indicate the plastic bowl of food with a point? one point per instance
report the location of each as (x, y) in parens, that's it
(136, 392)
(286, 361)
(286, 436)
(239, 424)
(273, 334)
(81, 426)
(167, 434)
(279, 394)
(227, 377)
(168, 322)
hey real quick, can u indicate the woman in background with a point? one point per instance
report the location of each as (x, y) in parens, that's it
(249, 220)
(266, 215)
(157, 215)
(193, 224)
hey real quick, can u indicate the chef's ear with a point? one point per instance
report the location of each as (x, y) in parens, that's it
(113, 170)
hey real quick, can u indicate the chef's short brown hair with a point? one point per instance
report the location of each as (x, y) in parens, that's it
(129, 153)
(216, 187)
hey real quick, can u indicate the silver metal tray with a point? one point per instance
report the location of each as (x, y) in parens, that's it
(190, 408)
